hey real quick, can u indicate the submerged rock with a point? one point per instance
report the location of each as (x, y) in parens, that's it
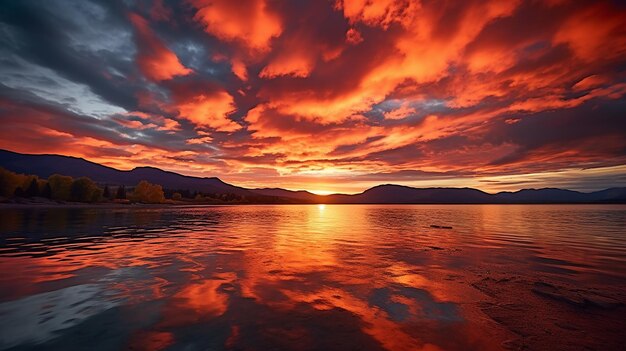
(440, 226)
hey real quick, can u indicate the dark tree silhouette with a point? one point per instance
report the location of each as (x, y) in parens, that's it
(19, 192)
(61, 186)
(121, 192)
(107, 193)
(47, 191)
(33, 189)
(85, 190)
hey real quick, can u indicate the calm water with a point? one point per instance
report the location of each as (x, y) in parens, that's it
(333, 277)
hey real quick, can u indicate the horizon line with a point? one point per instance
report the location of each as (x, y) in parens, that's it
(314, 192)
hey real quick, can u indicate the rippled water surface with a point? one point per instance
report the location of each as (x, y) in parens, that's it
(314, 277)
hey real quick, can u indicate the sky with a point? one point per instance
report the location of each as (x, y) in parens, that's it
(326, 96)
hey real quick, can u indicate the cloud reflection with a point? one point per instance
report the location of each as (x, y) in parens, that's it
(287, 277)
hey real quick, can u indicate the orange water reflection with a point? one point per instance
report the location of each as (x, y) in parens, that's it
(287, 277)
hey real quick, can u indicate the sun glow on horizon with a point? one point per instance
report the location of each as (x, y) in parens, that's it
(321, 192)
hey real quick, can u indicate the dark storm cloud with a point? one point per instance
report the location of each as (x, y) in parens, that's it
(35, 113)
(41, 37)
(595, 128)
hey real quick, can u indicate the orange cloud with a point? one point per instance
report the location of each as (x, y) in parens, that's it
(586, 32)
(239, 69)
(296, 64)
(249, 22)
(421, 54)
(353, 36)
(157, 122)
(380, 13)
(550, 102)
(590, 82)
(135, 124)
(300, 50)
(155, 60)
(200, 140)
(400, 113)
(210, 110)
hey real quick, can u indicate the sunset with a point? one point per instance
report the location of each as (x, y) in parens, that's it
(324, 96)
(312, 175)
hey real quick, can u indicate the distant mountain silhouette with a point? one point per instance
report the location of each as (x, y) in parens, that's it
(611, 195)
(390, 193)
(542, 195)
(399, 194)
(46, 165)
(299, 194)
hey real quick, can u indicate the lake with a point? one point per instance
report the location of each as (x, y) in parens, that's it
(314, 277)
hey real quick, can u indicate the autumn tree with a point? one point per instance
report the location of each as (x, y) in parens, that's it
(85, 190)
(57, 187)
(148, 193)
(9, 182)
(61, 186)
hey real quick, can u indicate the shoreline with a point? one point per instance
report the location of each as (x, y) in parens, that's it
(103, 205)
(78, 205)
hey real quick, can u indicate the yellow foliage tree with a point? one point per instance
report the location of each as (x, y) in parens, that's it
(10, 181)
(148, 193)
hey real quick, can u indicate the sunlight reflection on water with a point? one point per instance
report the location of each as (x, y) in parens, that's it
(317, 277)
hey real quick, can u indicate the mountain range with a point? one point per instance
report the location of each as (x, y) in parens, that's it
(46, 165)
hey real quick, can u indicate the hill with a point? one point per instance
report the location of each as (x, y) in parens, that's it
(46, 165)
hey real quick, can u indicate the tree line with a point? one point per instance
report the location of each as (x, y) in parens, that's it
(65, 188)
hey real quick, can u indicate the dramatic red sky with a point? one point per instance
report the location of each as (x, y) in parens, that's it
(324, 95)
